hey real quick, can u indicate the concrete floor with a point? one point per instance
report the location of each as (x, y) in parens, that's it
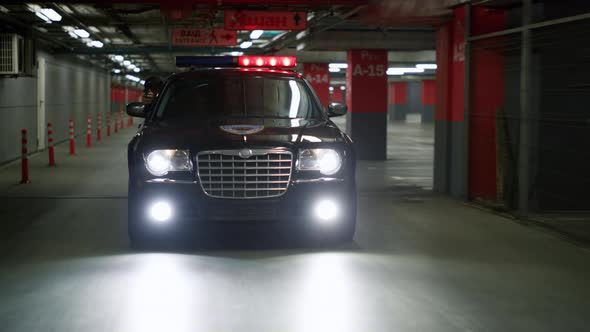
(420, 262)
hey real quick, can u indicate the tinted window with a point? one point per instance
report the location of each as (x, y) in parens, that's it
(190, 100)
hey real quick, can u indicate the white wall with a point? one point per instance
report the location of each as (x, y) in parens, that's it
(73, 90)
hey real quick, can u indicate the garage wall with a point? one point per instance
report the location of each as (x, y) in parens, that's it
(18, 110)
(73, 90)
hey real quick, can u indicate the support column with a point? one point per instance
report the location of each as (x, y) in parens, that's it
(398, 101)
(366, 96)
(318, 76)
(428, 91)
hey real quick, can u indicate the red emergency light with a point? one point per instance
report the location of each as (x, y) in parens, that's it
(267, 61)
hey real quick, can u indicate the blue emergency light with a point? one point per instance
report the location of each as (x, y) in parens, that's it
(236, 61)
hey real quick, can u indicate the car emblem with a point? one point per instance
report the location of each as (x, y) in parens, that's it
(242, 129)
(245, 153)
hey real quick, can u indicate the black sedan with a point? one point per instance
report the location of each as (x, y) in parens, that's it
(228, 147)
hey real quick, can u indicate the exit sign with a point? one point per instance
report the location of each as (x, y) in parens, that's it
(265, 20)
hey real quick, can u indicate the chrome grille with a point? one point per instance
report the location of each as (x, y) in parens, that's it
(247, 173)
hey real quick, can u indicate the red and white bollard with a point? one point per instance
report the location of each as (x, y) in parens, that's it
(72, 141)
(129, 121)
(98, 126)
(24, 159)
(89, 132)
(122, 118)
(50, 148)
(108, 124)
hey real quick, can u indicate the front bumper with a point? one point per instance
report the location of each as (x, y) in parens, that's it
(192, 207)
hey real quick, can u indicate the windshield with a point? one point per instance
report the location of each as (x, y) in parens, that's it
(188, 100)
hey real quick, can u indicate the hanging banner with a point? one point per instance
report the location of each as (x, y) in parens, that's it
(264, 20)
(203, 37)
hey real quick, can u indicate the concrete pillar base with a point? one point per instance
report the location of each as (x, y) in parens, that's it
(398, 113)
(369, 132)
(427, 114)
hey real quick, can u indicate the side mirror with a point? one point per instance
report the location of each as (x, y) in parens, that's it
(337, 109)
(136, 110)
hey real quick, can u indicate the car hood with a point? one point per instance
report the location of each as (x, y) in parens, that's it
(240, 132)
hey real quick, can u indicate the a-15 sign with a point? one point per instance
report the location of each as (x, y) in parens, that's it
(264, 20)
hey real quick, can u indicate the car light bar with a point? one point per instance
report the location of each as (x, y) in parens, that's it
(267, 61)
(239, 61)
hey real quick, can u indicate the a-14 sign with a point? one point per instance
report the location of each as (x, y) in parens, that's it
(203, 37)
(264, 20)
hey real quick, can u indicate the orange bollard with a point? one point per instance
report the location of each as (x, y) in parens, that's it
(108, 124)
(98, 126)
(72, 141)
(50, 149)
(89, 132)
(24, 159)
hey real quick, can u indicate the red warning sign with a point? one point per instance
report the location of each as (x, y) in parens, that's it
(203, 37)
(264, 20)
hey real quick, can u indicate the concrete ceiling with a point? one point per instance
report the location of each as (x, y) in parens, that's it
(142, 32)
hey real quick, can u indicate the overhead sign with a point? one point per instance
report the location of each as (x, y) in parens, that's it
(203, 37)
(265, 20)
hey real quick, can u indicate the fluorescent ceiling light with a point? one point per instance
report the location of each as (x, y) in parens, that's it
(93, 29)
(331, 88)
(301, 34)
(73, 35)
(136, 69)
(66, 9)
(126, 63)
(142, 82)
(403, 70)
(255, 34)
(333, 69)
(82, 33)
(4, 9)
(97, 43)
(132, 78)
(119, 58)
(338, 65)
(51, 14)
(43, 17)
(67, 28)
(236, 53)
(116, 71)
(131, 67)
(34, 8)
(427, 66)
(413, 70)
(342, 87)
(395, 71)
(245, 44)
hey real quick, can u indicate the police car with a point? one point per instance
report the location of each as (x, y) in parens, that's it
(239, 141)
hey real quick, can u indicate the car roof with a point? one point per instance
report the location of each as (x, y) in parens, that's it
(247, 72)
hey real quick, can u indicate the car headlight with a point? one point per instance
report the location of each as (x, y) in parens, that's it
(160, 162)
(327, 161)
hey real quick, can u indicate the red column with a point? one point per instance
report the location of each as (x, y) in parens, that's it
(487, 96)
(486, 85)
(337, 95)
(318, 76)
(366, 96)
(428, 92)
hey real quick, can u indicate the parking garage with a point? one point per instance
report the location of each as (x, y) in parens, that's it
(468, 159)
